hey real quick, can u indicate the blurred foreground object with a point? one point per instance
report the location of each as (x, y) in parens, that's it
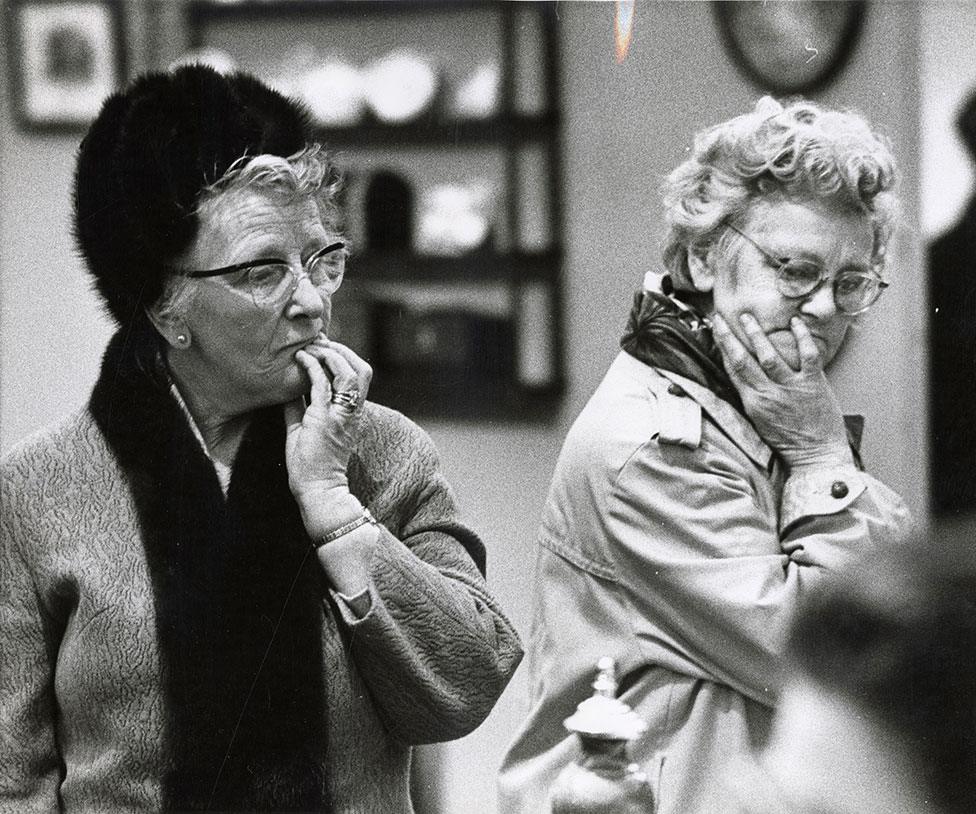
(878, 712)
(603, 780)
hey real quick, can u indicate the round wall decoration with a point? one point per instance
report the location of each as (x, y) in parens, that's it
(790, 46)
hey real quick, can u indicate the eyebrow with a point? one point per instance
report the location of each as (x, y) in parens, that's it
(335, 245)
(814, 257)
(274, 254)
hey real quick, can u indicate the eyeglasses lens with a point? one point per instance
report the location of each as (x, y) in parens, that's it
(853, 291)
(327, 270)
(272, 282)
(797, 278)
(268, 283)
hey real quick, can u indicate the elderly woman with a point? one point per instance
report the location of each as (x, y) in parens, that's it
(229, 583)
(709, 482)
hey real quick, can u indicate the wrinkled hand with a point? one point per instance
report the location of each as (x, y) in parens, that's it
(794, 411)
(321, 437)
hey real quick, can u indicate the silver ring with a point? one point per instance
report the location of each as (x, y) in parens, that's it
(347, 399)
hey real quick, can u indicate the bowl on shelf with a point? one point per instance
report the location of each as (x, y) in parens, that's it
(478, 94)
(400, 86)
(334, 92)
(454, 219)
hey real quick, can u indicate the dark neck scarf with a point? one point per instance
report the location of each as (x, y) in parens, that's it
(239, 603)
(668, 333)
(668, 330)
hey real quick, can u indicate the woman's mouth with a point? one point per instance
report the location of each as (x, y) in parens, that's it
(304, 343)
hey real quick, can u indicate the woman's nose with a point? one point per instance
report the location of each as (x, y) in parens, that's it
(820, 303)
(306, 300)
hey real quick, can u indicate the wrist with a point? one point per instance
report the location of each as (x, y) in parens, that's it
(324, 512)
(355, 527)
(826, 458)
(346, 562)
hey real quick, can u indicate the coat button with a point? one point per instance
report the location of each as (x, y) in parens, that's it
(838, 489)
(676, 390)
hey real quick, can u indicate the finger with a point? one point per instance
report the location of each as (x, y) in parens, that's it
(316, 345)
(364, 370)
(320, 339)
(343, 374)
(810, 360)
(348, 354)
(319, 349)
(347, 391)
(321, 387)
(739, 363)
(773, 365)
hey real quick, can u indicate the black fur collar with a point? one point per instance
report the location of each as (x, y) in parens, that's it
(239, 600)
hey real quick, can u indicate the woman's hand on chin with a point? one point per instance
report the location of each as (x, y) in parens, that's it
(321, 437)
(794, 411)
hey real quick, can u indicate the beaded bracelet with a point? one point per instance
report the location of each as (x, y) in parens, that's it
(364, 519)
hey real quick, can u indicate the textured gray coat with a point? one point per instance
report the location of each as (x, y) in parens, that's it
(111, 700)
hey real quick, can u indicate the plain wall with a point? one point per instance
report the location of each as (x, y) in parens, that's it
(52, 328)
(625, 127)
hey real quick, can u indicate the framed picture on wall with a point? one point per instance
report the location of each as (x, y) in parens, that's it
(65, 57)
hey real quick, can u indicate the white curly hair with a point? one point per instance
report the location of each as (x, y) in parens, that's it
(798, 149)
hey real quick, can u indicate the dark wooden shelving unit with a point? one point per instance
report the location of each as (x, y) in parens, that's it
(202, 12)
(418, 354)
(479, 266)
(505, 129)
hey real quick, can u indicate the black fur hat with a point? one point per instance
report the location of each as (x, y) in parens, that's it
(153, 147)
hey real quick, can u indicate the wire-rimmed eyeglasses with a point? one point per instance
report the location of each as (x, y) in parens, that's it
(270, 280)
(854, 291)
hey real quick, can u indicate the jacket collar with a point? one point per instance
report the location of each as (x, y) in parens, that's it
(666, 333)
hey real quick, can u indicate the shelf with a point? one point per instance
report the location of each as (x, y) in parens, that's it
(500, 130)
(476, 337)
(455, 396)
(476, 267)
(256, 11)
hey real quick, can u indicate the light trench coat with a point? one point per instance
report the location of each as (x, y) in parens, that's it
(675, 541)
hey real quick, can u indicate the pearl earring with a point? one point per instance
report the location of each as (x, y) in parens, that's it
(182, 340)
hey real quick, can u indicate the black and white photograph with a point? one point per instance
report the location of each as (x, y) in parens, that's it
(488, 406)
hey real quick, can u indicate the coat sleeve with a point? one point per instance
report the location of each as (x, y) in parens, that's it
(707, 568)
(434, 647)
(29, 763)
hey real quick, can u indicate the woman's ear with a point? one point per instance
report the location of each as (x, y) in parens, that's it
(169, 326)
(700, 269)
